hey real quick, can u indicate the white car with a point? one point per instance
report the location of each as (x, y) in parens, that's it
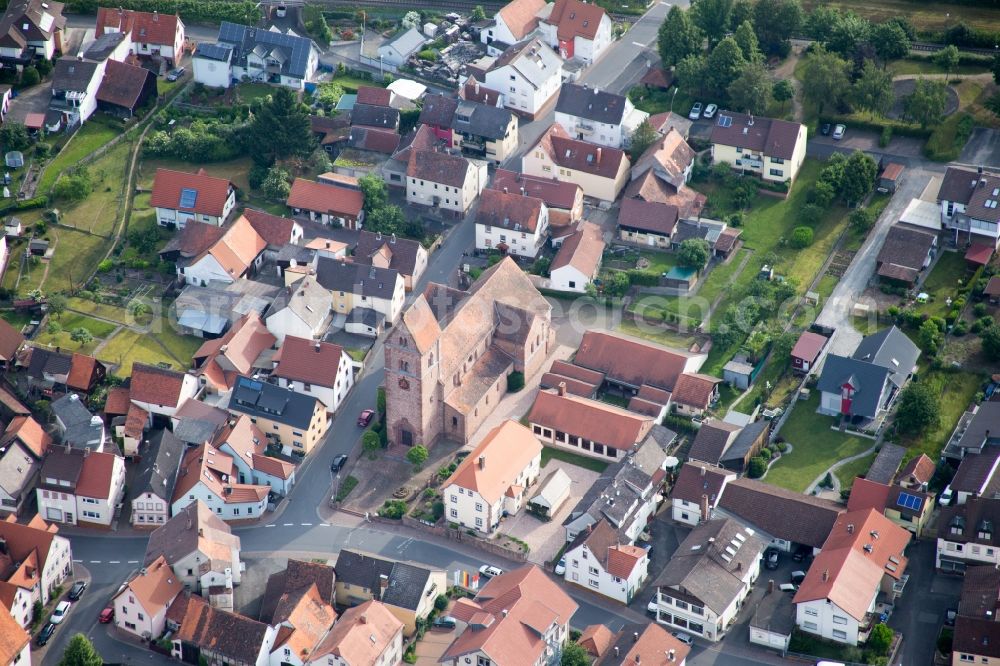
(59, 614)
(839, 131)
(710, 110)
(682, 637)
(561, 566)
(651, 606)
(945, 498)
(490, 571)
(695, 111)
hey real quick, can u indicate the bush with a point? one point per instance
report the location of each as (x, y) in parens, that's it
(757, 467)
(801, 237)
(346, 486)
(440, 603)
(885, 137)
(30, 77)
(429, 55)
(418, 455)
(515, 382)
(393, 509)
(370, 442)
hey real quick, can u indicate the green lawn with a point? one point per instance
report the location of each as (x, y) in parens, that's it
(917, 66)
(594, 465)
(815, 446)
(943, 282)
(98, 213)
(112, 312)
(847, 473)
(63, 341)
(248, 92)
(658, 101)
(659, 262)
(97, 328)
(924, 14)
(76, 254)
(957, 390)
(351, 84)
(181, 347)
(16, 319)
(95, 133)
(660, 336)
(129, 347)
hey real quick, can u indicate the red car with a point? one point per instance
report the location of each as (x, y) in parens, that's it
(106, 615)
(365, 418)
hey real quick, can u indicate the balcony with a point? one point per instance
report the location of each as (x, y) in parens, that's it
(585, 128)
(900, 585)
(750, 162)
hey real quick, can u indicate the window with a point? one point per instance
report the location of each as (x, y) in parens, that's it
(681, 604)
(479, 522)
(840, 635)
(594, 571)
(697, 610)
(962, 657)
(479, 506)
(777, 160)
(593, 583)
(811, 612)
(811, 626)
(454, 513)
(454, 499)
(839, 620)
(777, 172)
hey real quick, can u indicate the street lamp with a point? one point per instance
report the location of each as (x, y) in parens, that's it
(672, 96)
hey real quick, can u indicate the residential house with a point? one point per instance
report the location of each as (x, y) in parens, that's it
(694, 393)
(973, 435)
(396, 51)
(563, 199)
(31, 29)
(141, 604)
(19, 470)
(247, 445)
(276, 231)
(861, 388)
(125, 89)
(383, 119)
(511, 224)
(862, 560)
(697, 491)
(647, 223)
(293, 421)
(969, 208)
(217, 635)
(25, 431)
(179, 196)
(15, 642)
(269, 56)
(484, 132)
(578, 261)
(75, 83)
(474, 91)
(708, 579)
(151, 34)
(528, 74)
(602, 172)
(909, 509)
(966, 535)
(422, 138)
(974, 475)
(199, 546)
(975, 634)
(668, 120)
(578, 30)
(50, 371)
(448, 359)
(597, 116)
(297, 577)
(243, 350)
(661, 175)
(512, 23)
(782, 518)
(634, 644)
(238, 252)
(196, 422)
(11, 342)
(80, 486)
(153, 486)
(773, 619)
(352, 285)
(771, 148)
(327, 203)
(300, 309)
(905, 253)
(403, 255)
(748, 443)
(365, 634)
(520, 617)
(302, 618)
(494, 479)
(597, 561)
(406, 590)
(76, 425)
(322, 370)
(917, 474)
(712, 440)
(437, 114)
(208, 475)
(444, 181)
(160, 391)
(36, 558)
(807, 350)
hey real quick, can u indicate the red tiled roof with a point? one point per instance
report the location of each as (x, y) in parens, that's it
(509, 211)
(309, 361)
(476, 91)
(575, 154)
(212, 192)
(10, 341)
(374, 96)
(273, 229)
(521, 16)
(135, 421)
(324, 198)
(892, 171)
(118, 401)
(918, 471)
(808, 346)
(145, 27)
(596, 639)
(979, 253)
(155, 385)
(81, 372)
(598, 421)
(272, 466)
(555, 193)
(123, 84)
(30, 433)
(96, 475)
(657, 77)
(694, 389)
(993, 286)
(649, 216)
(867, 494)
(583, 250)
(575, 19)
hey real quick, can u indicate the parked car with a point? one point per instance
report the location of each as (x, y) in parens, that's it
(175, 74)
(788, 587)
(838, 132)
(338, 463)
(561, 566)
(771, 558)
(802, 553)
(652, 606)
(798, 577)
(825, 129)
(45, 634)
(710, 110)
(365, 417)
(106, 616)
(949, 616)
(682, 637)
(444, 622)
(945, 498)
(76, 591)
(490, 571)
(695, 111)
(59, 614)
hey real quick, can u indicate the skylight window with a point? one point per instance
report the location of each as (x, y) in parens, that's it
(188, 197)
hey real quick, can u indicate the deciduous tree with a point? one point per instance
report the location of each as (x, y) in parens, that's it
(693, 253)
(775, 22)
(643, 137)
(747, 40)
(751, 91)
(859, 177)
(890, 41)
(848, 34)
(821, 21)
(926, 104)
(783, 92)
(14, 136)
(80, 652)
(690, 74)
(724, 64)
(374, 190)
(948, 58)
(873, 89)
(679, 37)
(825, 78)
(713, 17)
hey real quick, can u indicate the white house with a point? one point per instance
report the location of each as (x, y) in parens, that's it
(493, 480)
(595, 560)
(207, 474)
(46, 559)
(300, 309)
(160, 391)
(528, 74)
(243, 52)
(511, 223)
(247, 445)
(320, 369)
(212, 65)
(967, 536)
(179, 196)
(74, 92)
(80, 486)
(153, 485)
(578, 30)
(238, 253)
(444, 181)
(141, 605)
(352, 285)
(578, 261)
(512, 23)
(15, 649)
(150, 33)
(698, 488)
(598, 116)
(969, 208)
(199, 546)
(396, 51)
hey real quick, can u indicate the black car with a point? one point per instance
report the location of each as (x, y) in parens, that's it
(444, 622)
(76, 591)
(45, 634)
(801, 553)
(771, 558)
(338, 463)
(825, 130)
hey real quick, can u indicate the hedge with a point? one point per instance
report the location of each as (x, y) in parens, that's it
(898, 128)
(206, 11)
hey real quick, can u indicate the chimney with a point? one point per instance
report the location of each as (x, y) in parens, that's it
(505, 190)
(598, 155)
(826, 575)
(86, 451)
(671, 654)
(616, 650)
(316, 346)
(393, 240)
(850, 528)
(477, 85)
(378, 235)
(383, 585)
(770, 586)
(635, 636)
(703, 470)
(704, 508)
(482, 462)
(505, 611)
(562, 388)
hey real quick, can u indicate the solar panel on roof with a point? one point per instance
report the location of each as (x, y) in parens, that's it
(909, 501)
(188, 197)
(725, 121)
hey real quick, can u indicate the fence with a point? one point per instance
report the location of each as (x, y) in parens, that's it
(461, 536)
(382, 65)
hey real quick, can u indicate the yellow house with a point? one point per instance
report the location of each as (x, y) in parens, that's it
(770, 148)
(293, 421)
(601, 172)
(407, 590)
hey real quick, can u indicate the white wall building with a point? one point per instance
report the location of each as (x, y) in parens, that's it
(528, 75)
(595, 560)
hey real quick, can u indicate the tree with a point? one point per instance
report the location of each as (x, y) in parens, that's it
(873, 89)
(994, 68)
(712, 16)
(411, 19)
(848, 34)
(821, 21)
(643, 137)
(14, 136)
(417, 455)
(824, 78)
(801, 237)
(929, 337)
(811, 214)
(276, 186)
(926, 104)
(574, 655)
(280, 128)
(752, 90)
(387, 220)
(678, 37)
(757, 467)
(890, 41)
(861, 219)
(370, 442)
(858, 177)
(742, 11)
(478, 13)
(775, 22)
(747, 40)
(57, 305)
(30, 77)
(693, 253)
(81, 335)
(880, 639)
(137, 308)
(991, 341)
(72, 187)
(724, 64)
(783, 92)
(515, 381)
(374, 190)
(80, 652)
(328, 93)
(756, 344)
(947, 58)
(690, 74)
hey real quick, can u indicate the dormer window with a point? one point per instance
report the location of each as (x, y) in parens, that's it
(957, 525)
(984, 531)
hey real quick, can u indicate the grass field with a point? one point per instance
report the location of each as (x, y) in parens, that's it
(956, 391)
(181, 347)
(943, 282)
(249, 92)
(74, 259)
(103, 310)
(663, 337)
(815, 446)
(925, 16)
(129, 347)
(847, 473)
(98, 213)
(63, 341)
(97, 328)
(906, 66)
(95, 133)
(549, 453)
(235, 170)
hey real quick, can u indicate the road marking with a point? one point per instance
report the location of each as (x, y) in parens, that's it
(95, 561)
(133, 562)
(80, 561)
(324, 524)
(268, 525)
(289, 524)
(114, 562)
(305, 524)
(639, 44)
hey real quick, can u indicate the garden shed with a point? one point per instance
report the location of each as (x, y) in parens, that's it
(551, 495)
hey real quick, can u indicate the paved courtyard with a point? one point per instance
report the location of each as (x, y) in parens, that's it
(546, 538)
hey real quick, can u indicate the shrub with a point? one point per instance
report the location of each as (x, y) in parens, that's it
(757, 467)
(429, 55)
(801, 237)
(417, 455)
(30, 77)
(370, 442)
(440, 603)
(515, 382)
(393, 509)
(885, 137)
(979, 309)
(105, 266)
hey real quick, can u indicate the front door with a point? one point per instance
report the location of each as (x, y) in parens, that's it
(406, 438)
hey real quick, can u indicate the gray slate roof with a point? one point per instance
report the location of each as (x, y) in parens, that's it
(406, 582)
(158, 467)
(589, 103)
(71, 74)
(267, 401)
(475, 119)
(244, 39)
(17, 469)
(744, 440)
(370, 281)
(178, 537)
(890, 348)
(886, 464)
(406, 42)
(82, 427)
(370, 115)
(867, 379)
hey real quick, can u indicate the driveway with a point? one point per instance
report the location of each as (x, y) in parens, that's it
(30, 100)
(983, 148)
(546, 538)
(867, 140)
(666, 535)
